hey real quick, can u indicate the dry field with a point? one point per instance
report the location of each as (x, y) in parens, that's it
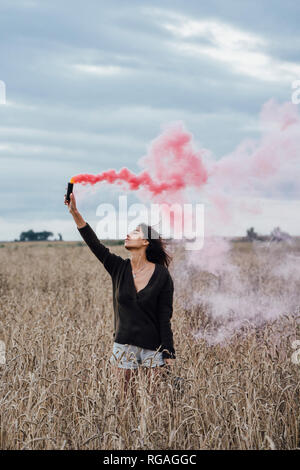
(58, 390)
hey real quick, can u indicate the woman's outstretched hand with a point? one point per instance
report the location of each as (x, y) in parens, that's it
(80, 222)
(169, 361)
(72, 204)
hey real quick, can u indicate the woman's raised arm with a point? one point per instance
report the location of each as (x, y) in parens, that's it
(110, 261)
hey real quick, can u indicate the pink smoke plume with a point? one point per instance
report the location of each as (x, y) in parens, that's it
(237, 297)
(256, 162)
(173, 166)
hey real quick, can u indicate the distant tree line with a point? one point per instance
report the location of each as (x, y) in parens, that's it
(31, 236)
(276, 235)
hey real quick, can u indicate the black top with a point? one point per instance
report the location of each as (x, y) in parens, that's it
(140, 318)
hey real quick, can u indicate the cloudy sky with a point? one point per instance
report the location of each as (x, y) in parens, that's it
(90, 83)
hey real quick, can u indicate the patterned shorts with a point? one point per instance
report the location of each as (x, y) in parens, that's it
(128, 356)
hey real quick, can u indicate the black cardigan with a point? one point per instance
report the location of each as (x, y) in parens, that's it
(140, 318)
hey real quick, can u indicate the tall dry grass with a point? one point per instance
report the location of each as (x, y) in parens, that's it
(58, 390)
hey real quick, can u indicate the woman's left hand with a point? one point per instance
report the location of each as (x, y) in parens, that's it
(169, 362)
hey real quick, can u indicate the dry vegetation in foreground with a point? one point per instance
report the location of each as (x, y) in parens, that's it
(58, 390)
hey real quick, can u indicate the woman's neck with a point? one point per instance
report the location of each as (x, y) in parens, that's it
(138, 259)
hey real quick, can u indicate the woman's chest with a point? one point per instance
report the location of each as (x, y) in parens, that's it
(141, 281)
(139, 289)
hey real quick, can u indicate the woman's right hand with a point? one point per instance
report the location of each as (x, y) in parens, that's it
(72, 204)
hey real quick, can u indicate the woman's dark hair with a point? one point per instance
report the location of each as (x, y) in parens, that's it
(156, 250)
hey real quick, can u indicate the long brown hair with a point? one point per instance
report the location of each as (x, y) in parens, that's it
(156, 249)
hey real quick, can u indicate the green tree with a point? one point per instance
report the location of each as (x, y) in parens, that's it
(30, 236)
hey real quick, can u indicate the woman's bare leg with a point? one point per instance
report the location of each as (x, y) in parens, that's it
(154, 376)
(127, 378)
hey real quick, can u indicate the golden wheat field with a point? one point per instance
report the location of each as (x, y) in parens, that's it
(58, 390)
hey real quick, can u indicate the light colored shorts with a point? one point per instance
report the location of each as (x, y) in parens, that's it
(128, 356)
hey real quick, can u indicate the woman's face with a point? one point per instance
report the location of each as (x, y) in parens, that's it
(135, 239)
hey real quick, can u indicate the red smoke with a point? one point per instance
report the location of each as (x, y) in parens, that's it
(171, 165)
(256, 167)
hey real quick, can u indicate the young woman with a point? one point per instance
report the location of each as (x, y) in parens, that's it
(142, 297)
